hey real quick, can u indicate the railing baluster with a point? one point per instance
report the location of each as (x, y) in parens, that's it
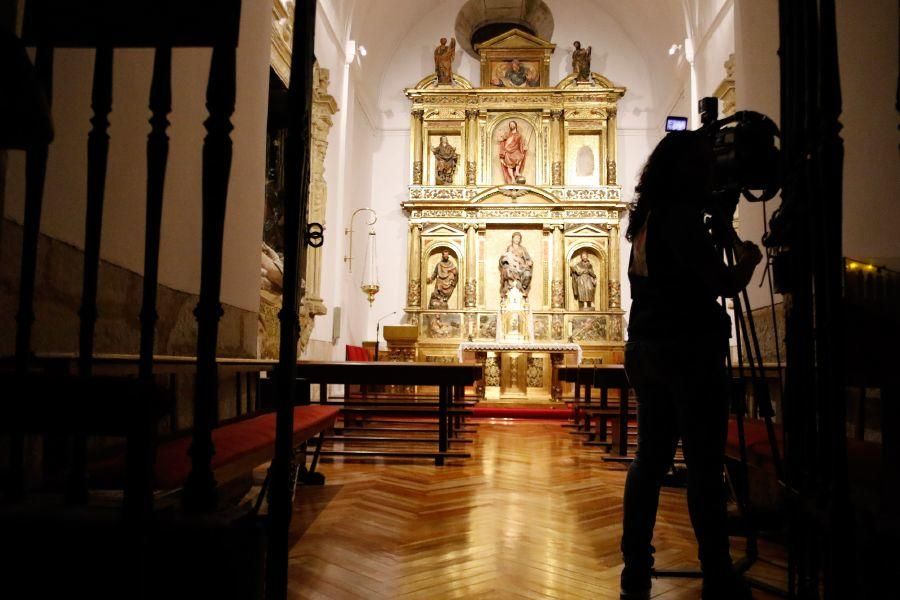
(297, 150)
(200, 490)
(97, 158)
(35, 178)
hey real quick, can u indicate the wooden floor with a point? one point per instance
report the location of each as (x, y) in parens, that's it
(531, 515)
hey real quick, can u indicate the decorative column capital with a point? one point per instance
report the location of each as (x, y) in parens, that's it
(418, 113)
(556, 115)
(471, 113)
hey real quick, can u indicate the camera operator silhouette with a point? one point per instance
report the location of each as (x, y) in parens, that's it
(675, 359)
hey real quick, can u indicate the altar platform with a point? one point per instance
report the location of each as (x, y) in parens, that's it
(519, 372)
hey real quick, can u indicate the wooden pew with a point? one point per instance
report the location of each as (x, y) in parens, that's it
(602, 378)
(450, 380)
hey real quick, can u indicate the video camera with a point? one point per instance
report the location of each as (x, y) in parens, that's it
(745, 151)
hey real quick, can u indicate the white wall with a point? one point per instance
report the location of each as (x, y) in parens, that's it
(867, 46)
(122, 242)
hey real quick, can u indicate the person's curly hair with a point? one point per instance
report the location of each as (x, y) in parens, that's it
(678, 172)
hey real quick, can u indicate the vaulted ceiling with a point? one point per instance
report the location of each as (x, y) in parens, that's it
(651, 25)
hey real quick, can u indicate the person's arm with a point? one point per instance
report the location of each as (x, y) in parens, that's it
(693, 250)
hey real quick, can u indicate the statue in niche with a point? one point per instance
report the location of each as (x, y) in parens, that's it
(445, 158)
(512, 153)
(584, 281)
(443, 61)
(444, 276)
(515, 267)
(581, 63)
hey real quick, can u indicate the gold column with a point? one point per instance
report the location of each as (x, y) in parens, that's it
(471, 285)
(413, 291)
(417, 145)
(611, 146)
(471, 145)
(614, 288)
(557, 286)
(557, 142)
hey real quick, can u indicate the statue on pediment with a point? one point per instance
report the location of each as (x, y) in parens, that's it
(443, 61)
(581, 63)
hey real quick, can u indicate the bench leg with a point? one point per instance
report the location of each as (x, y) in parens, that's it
(311, 476)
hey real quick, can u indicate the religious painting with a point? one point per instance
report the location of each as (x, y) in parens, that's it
(487, 326)
(542, 327)
(442, 325)
(513, 152)
(588, 328)
(515, 73)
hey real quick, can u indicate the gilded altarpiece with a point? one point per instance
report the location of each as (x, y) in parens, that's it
(562, 199)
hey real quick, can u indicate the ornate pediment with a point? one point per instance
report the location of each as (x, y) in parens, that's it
(514, 38)
(587, 230)
(443, 229)
(515, 60)
(506, 194)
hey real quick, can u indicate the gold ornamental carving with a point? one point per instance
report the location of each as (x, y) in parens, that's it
(615, 294)
(413, 293)
(557, 191)
(558, 293)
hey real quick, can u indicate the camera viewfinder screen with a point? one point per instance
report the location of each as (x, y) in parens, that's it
(676, 123)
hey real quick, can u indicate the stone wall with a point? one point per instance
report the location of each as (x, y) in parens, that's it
(58, 296)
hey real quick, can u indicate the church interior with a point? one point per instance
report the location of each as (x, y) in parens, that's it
(331, 298)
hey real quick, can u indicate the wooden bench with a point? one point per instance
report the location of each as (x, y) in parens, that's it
(603, 378)
(450, 380)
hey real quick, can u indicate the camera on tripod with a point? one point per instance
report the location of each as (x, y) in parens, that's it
(746, 156)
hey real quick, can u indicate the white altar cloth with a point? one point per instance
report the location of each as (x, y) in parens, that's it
(517, 347)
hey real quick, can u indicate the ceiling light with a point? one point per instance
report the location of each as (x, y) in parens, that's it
(362, 50)
(674, 48)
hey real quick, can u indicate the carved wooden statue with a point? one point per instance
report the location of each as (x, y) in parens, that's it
(581, 63)
(443, 61)
(445, 277)
(584, 281)
(512, 152)
(515, 266)
(445, 159)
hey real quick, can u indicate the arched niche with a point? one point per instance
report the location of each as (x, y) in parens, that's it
(432, 254)
(530, 128)
(598, 259)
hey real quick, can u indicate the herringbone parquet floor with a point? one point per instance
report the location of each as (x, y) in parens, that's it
(532, 514)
